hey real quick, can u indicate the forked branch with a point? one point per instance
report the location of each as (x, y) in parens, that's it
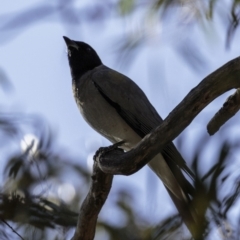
(220, 81)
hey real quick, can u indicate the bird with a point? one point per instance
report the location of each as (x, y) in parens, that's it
(114, 106)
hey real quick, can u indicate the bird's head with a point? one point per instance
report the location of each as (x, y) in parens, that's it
(82, 57)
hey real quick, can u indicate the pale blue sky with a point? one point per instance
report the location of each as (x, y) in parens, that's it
(36, 63)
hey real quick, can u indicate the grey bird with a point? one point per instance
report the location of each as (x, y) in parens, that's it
(118, 109)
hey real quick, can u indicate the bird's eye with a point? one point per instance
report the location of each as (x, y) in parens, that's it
(69, 52)
(89, 49)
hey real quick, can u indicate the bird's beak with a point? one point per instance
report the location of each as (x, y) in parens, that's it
(70, 43)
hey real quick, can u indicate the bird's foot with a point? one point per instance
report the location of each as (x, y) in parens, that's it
(103, 150)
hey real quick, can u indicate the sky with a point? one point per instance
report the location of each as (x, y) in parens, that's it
(35, 60)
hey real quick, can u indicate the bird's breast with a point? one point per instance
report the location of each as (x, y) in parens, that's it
(101, 116)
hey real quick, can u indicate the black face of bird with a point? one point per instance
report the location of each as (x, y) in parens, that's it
(82, 57)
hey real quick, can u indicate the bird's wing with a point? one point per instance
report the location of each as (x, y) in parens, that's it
(128, 99)
(134, 107)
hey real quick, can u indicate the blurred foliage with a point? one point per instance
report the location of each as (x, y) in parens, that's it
(41, 214)
(183, 13)
(30, 206)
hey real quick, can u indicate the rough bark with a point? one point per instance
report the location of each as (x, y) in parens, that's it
(220, 81)
(227, 111)
(91, 206)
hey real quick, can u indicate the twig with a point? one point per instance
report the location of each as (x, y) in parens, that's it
(228, 110)
(12, 228)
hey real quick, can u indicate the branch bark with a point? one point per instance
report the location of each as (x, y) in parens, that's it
(227, 111)
(220, 81)
(223, 79)
(91, 206)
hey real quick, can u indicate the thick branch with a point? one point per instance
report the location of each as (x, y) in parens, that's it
(228, 110)
(222, 80)
(91, 206)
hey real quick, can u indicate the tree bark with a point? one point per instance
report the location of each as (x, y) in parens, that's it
(222, 80)
(91, 206)
(228, 110)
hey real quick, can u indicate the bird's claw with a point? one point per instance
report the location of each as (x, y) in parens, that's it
(103, 150)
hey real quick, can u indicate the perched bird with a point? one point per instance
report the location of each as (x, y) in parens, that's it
(118, 109)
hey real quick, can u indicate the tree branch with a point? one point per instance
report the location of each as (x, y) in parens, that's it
(225, 78)
(97, 195)
(228, 110)
(12, 229)
(220, 81)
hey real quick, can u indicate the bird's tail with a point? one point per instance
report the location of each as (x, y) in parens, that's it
(179, 189)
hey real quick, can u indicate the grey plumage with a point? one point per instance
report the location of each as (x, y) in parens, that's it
(118, 109)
